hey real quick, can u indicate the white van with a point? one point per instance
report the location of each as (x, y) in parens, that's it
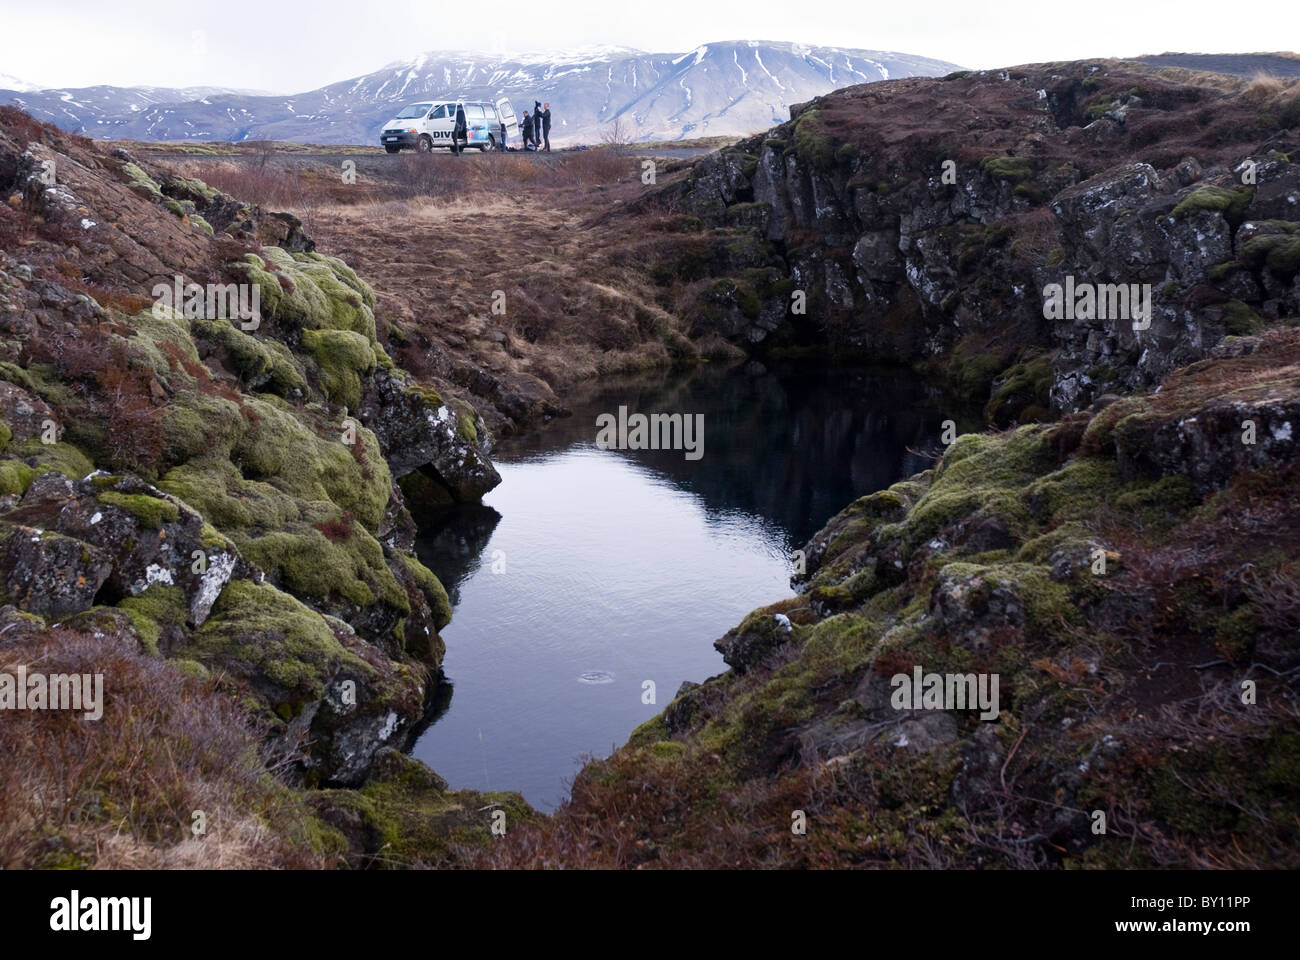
(425, 125)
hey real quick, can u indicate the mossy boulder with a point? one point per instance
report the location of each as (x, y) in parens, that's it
(405, 816)
(1231, 202)
(344, 358)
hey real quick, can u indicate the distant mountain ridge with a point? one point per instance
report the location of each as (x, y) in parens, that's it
(729, 88)
(1235, 64)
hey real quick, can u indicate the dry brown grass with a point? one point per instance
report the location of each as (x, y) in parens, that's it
(120, 792)
(1263, 87)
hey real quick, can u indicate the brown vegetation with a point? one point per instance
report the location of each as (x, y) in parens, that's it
(122, 791)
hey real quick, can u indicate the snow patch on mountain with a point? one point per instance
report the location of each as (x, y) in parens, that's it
(727, 88)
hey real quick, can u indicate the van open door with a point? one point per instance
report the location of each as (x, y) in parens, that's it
(508, 117)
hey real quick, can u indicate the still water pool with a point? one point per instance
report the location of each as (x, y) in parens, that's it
(589, 572)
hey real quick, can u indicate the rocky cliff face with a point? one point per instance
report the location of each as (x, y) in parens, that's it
(921, 222)
(220, 486)
(1126, 571)
(1128, 576)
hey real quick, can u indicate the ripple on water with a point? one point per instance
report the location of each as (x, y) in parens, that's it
(596, 676)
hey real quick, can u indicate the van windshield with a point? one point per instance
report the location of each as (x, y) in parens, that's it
(413, 111)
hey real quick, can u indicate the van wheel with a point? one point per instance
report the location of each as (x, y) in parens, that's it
(491, 144)
(391, 149)
(424, 145)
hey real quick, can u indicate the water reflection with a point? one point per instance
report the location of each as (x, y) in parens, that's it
(588, 574)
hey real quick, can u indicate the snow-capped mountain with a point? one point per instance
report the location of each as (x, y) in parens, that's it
(730, 88)
(9, 82)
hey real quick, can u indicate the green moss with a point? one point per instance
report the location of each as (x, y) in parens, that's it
(740, 212)
(652, 731)
(141, 181)
(1240, 320)
(150, 512)
(307, 466)
(216, 489)
(259, 363)
(310, 291)
(1280, 253)
(1078, 489)
(971, 368)
(17, 375)
(427, 394)
(159, 606)
(211, 538)
(309, 564)
(44, 381)
(63, 457)
(413, 820)
(1291, 227)
(1047, 604)
(1221, 271)
(667, 749)
(15, 477)
(1026, 384)
(1015, 169)
(343, 357)
(1157, 505)
(465, 416)
(195, 424)
(202, 224)
(259, 627)
(432, 588)
(811, 143)
(192, 668)
(193, 190)
(1235, 632)
(1099, 435)
(1229, 201)
(1183, 792)
(977, 478)
(1039, 549)
(171, 327)
(1030, 192)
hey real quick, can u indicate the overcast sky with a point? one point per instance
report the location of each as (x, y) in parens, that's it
(296, 46)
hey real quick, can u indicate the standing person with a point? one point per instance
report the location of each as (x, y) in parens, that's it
(459, 132)
(526, 128)
(537, 123)
(546, 125)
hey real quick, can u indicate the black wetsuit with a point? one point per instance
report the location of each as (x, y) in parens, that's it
(460, 132)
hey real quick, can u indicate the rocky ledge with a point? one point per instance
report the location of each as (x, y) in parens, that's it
(220, 488)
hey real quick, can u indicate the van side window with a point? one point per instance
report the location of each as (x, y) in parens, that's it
(439, 112)
(474, 110)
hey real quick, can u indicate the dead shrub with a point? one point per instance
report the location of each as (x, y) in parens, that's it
(121, 791)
